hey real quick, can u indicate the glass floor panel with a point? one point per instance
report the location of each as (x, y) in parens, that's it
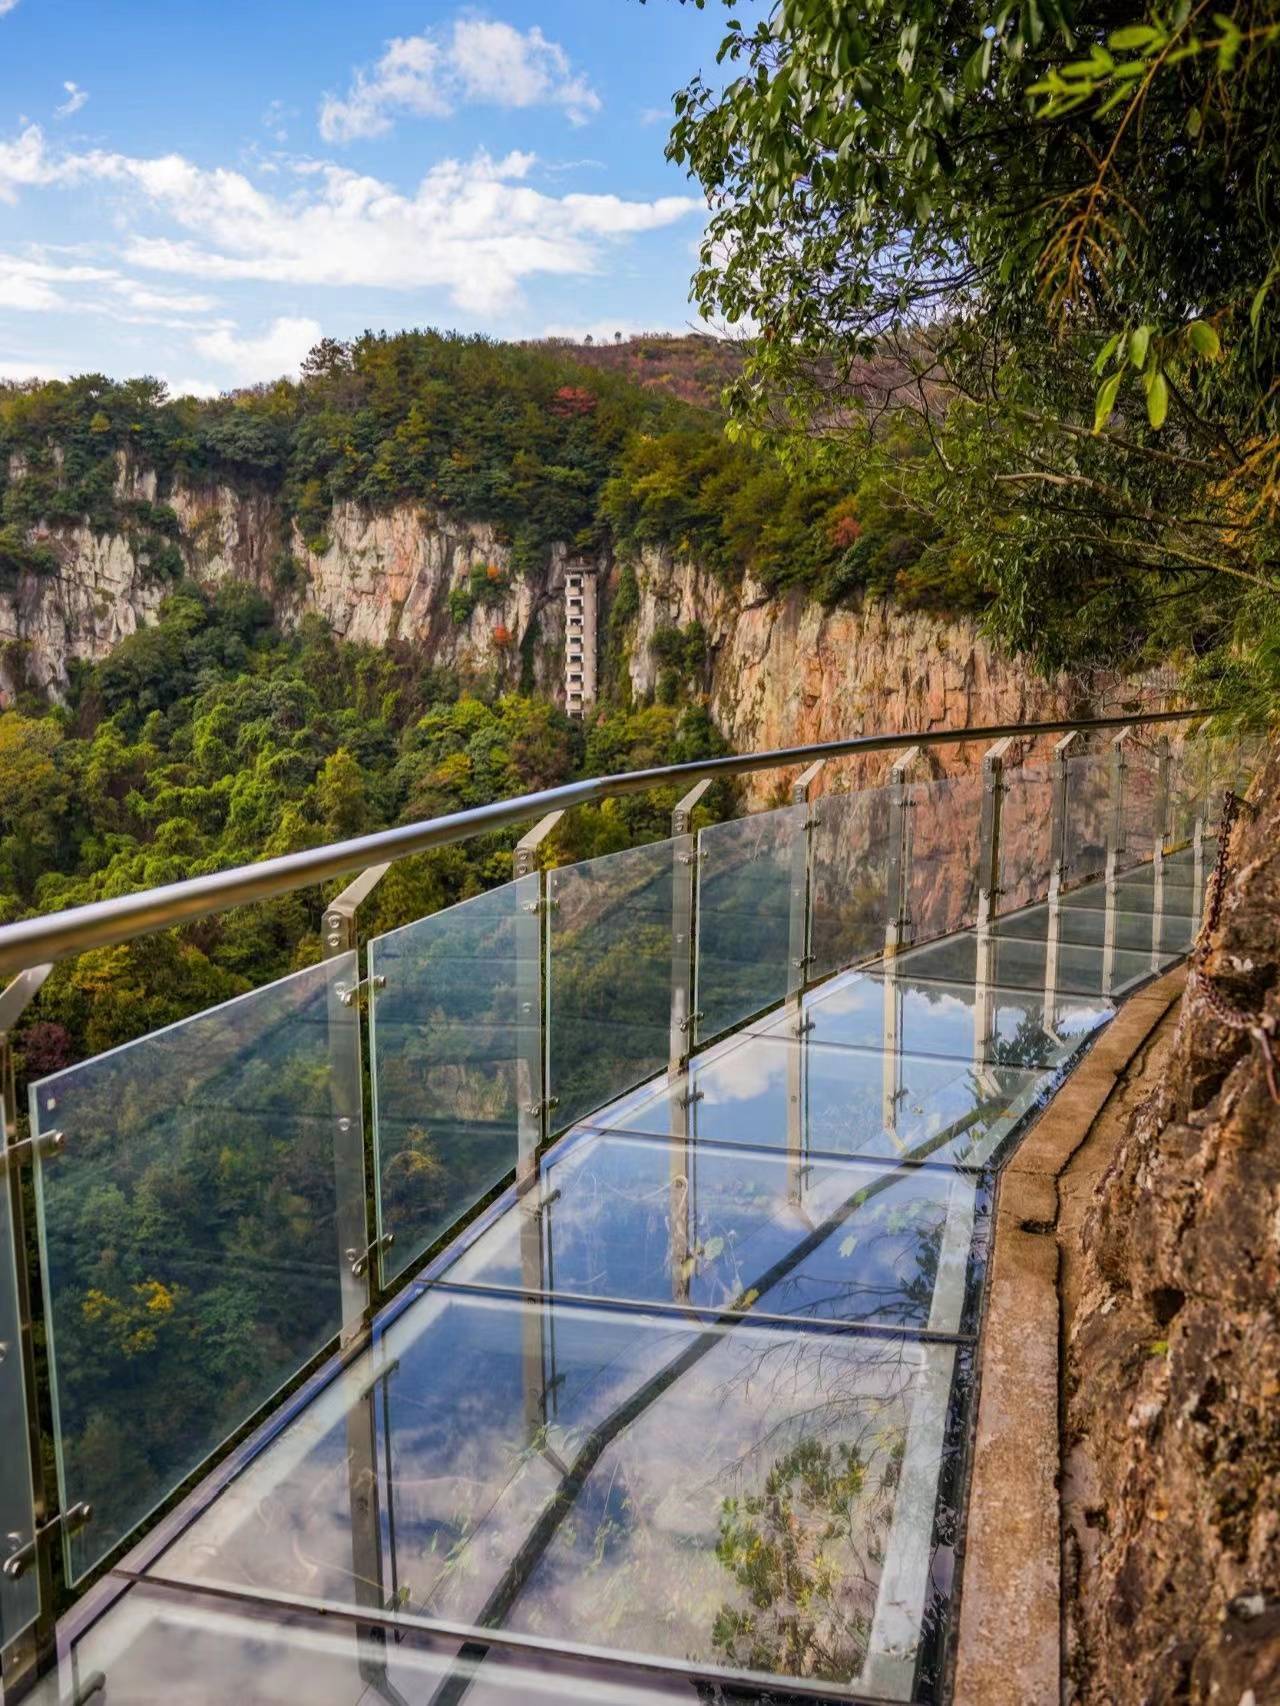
(659, 1221)
(606, 1479)
(1135, 888)
(859, 1009)
(164, 1645)
(1017, 963)
(1134, 932)
(779, 1092)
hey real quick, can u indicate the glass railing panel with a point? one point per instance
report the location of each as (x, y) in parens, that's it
(447, 1037)
(1026, 837)
(608, 976)
(1088, 817)
(189, 1237)
(745, 875)
(1190, 783)
(1138, 801)
(942, 884)
(850, 879)
(612, 1479)
(20, 1598)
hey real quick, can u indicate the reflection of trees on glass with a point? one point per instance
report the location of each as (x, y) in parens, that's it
(609, 976)
(446, 1037)
(850, 862)
(942, 892)
(744, 916)
(1029, 1044)
(1088, 810)
(1026, 837)
(789, 1546)
(190, 1238)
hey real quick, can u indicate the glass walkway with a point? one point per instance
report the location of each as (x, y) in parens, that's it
(684, 1412)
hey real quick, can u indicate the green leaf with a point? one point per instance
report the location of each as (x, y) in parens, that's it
(1134, 35)
(712, 1249)
(1195, 123)
(1106, 401)
(1204, 340)
(1255, 307)
(1107, 351)
(1157, 400)
(848, 1245)
(1138, 342)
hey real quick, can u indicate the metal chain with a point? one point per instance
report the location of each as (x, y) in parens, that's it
(1258, 1025)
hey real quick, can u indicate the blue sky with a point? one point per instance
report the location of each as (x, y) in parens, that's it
(200, 190)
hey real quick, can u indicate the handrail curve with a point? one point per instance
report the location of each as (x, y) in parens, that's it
(101, 924)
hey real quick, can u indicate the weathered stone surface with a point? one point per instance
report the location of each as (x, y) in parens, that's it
(784, 670)
(1172, 1449)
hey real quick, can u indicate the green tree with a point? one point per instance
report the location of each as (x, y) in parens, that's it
(1052, 236)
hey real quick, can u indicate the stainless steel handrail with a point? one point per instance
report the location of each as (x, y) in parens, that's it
(58, 935)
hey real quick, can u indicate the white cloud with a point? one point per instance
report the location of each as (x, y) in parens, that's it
(17, 372)
(278, 351)
(427, 76)
(7, 6)
(24, 162)
(76, 98)
(39, 286)
(476, 228)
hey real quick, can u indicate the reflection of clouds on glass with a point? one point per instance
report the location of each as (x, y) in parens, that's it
(751, 1073)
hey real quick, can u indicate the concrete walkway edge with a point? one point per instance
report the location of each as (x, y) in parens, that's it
(1009, 1645)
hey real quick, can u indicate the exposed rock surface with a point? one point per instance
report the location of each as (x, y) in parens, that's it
(782, 669)
(1172, 1409)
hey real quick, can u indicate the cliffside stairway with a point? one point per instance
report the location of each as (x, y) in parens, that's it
(681, 1162)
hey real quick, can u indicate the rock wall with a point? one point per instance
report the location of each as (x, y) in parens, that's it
(783, 670)
(1172, 1410)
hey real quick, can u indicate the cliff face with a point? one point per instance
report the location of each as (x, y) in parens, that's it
(782, 670)
(785, 671)
(1172, 1418)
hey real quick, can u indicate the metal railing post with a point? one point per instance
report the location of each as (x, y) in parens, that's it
(684, 865)
(1058, 814)
(799, 959)
(989, 871)
(1117, 838)
(534, 1105)
(1116, 847)
(352, 1166)
(799, 954)
(1160, 826)
(897, 929)
(350, 1171)
(31, 1654)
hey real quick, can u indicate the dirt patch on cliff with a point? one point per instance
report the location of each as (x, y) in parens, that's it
(1171, 1325)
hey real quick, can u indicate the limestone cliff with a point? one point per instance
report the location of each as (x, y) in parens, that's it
(1172, 1408)
(782, 670)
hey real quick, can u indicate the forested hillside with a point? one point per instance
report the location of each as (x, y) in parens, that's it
(520, 436)
(212, 739)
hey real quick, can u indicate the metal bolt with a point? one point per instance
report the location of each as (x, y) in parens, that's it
(335, 941)
(344, 1124)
